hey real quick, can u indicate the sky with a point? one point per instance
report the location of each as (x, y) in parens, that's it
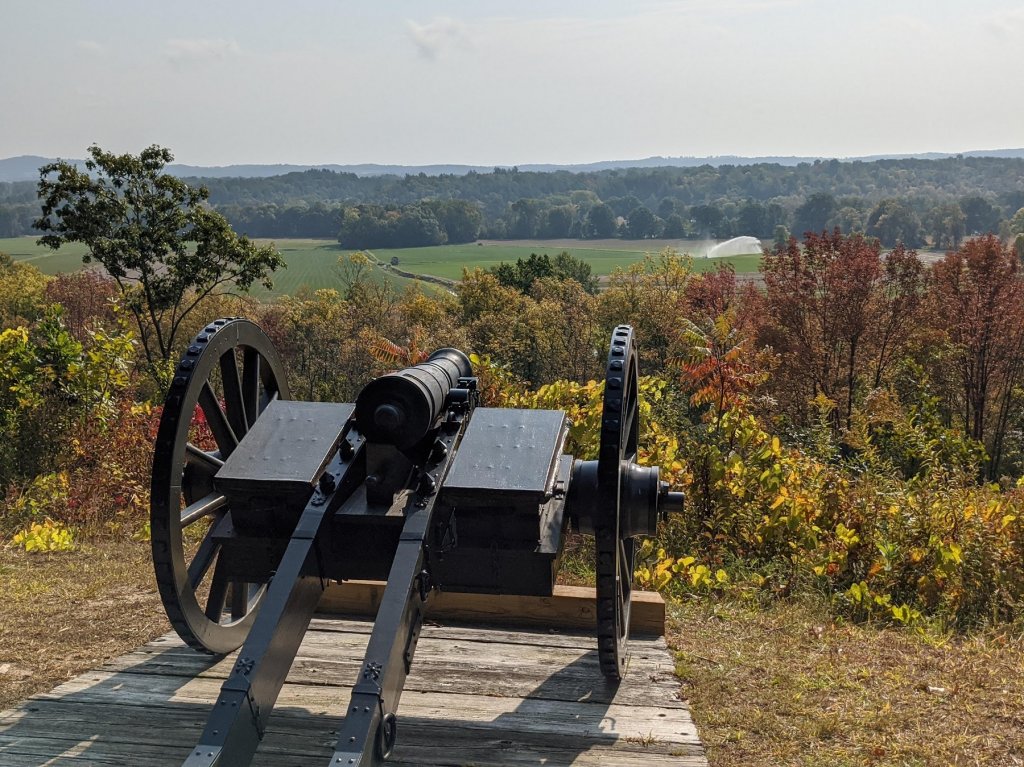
(503, 83)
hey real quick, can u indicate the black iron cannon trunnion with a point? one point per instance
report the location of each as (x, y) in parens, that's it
(258, 501)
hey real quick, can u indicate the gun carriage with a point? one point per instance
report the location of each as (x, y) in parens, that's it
(259, 501)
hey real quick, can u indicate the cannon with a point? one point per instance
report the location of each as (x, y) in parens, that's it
(259, 501)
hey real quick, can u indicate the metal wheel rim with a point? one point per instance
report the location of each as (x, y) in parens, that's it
(180, 469)
(615, 551)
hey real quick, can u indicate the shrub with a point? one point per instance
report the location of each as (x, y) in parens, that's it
(45, 536)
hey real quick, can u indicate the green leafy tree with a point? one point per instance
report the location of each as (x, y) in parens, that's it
(22, 292)
(600, 222)
(461, 220)
(893, 222)
(707, 220)
(946, 224)
(558, 221)
(849, 219)
(641, 224)
(816, 212)
(1017, 222)
(153, 234)
(982, 217)
(675, 227)
(568, 267)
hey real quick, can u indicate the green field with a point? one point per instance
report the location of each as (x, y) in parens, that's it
(312, 263)
(449, 260)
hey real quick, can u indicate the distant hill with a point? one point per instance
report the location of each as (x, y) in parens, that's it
(26, 167)
(23, 168)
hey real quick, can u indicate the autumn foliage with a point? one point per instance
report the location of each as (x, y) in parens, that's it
(850, 426)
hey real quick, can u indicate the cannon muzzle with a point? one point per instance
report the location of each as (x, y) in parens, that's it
(400, 408)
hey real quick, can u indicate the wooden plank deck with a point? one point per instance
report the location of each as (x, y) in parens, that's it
(481, 697)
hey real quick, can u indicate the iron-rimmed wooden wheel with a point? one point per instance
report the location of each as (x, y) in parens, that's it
(224, 381)
(620, 421)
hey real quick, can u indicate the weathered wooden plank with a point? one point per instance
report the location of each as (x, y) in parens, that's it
(647, 657)
(77, 728)
(165, 721)
(43, 752)
(334, 659)
(475, 697)
(548, 637)
(568, 607)
(333, 687)
(340, 652)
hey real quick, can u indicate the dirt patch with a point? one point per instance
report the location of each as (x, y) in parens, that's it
(62, 614)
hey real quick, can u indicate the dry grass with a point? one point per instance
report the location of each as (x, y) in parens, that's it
(785, 686)
(782, 685)
(61, 614)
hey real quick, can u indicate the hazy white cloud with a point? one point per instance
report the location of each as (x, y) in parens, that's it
(199, 49)
(1007, 24)
(91, 47)
(437, 37)
(649, 77)
(904, 24)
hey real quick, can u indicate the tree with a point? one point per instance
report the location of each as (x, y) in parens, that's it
(675, 227)
(982, 217)
(1017, 222)
(353, 272)
(525, 218)
(460, 219)
(621, 206)
(523, 273)
(642, 224)
(22, 292)
(849, 219)
(815, 213)
(568, 267)
(780, 236)
(977, 298)
(707, 219)
(153, 234)
(946, 224)
(558, 221)
(417, 226)
(893, 222)
(753, 219)
(838, 314)
(600, 222)
(666, 207)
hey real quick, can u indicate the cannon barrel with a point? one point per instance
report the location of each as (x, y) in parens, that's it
(400, 408)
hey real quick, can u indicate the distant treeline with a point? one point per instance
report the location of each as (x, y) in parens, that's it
(914, 201)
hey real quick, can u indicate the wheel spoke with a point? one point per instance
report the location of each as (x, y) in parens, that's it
(268, 397)
(234, 372)
(251, 384)
(239, 599)
(200, 459)
(222, 431)
(200, 564)
(625, 577)
(233, 393)
(628, 423)
(218, 591)
(204, 507)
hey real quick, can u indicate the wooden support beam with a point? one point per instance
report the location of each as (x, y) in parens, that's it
(568, 607)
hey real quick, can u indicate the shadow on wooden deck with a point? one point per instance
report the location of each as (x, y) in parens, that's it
(487, 698)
